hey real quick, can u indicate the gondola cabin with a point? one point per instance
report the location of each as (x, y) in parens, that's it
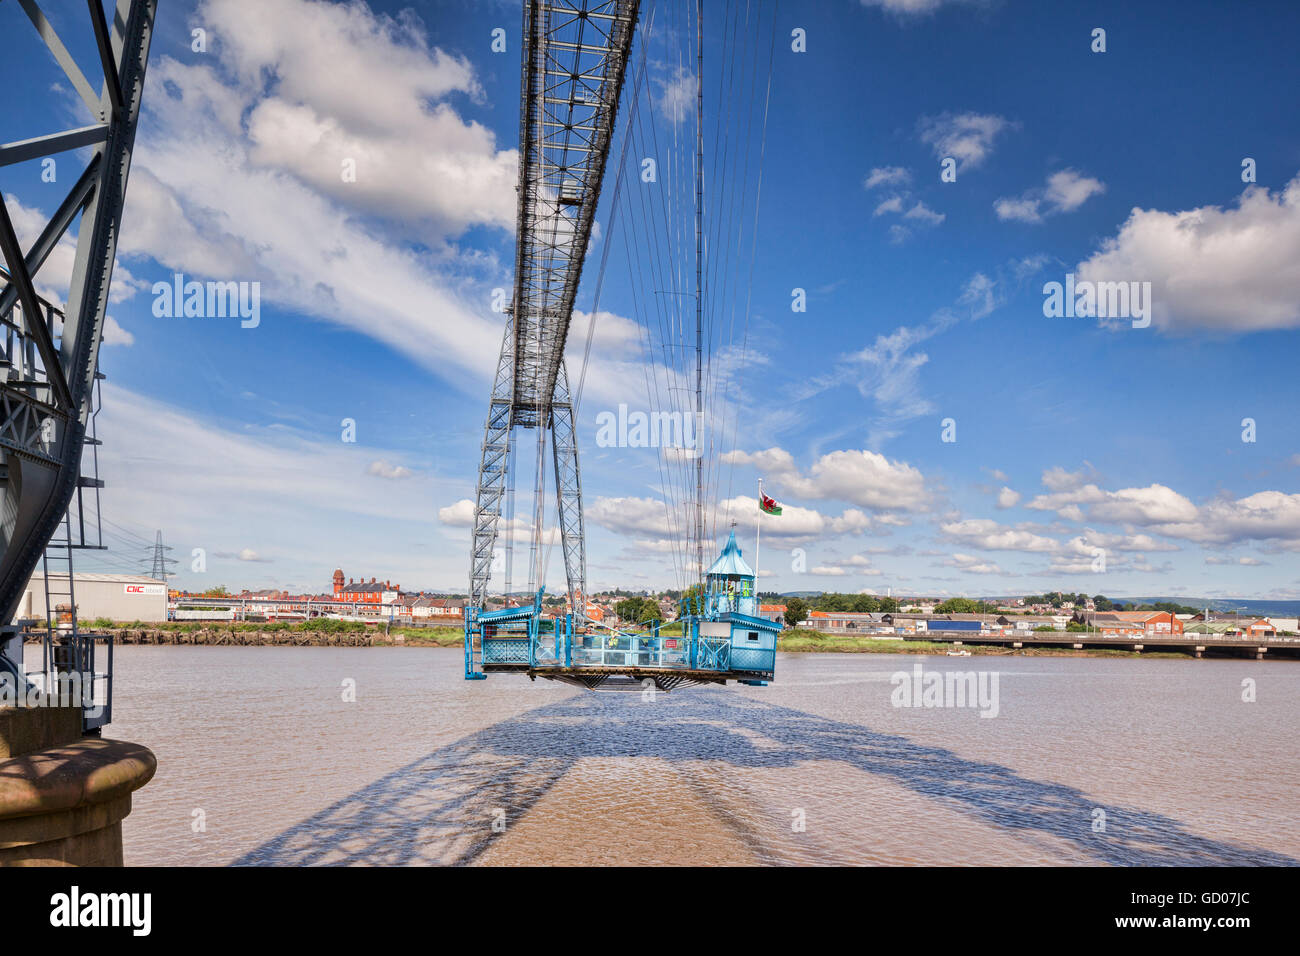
(722, 638)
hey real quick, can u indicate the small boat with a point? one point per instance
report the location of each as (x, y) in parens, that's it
(958, 653)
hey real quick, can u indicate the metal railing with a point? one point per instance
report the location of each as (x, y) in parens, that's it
(69, 676)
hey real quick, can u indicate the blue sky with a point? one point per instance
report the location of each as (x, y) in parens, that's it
(924, 297)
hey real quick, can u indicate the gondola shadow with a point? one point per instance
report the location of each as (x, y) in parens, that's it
(440, 809)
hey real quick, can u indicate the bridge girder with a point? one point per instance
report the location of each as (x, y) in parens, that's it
(574, 62)
(47, 395)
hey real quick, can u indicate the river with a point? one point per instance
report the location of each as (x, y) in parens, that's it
(265, 758)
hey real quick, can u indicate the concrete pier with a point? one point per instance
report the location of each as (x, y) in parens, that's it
(63, 796)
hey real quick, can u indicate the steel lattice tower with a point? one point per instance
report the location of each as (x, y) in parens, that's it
(160, 561)
(47, 394)
(574, 61)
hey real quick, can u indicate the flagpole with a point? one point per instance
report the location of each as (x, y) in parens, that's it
(758, 542)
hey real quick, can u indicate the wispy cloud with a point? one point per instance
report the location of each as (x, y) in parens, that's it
(966, 137)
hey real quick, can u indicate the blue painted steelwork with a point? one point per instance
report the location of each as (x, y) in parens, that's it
(722, 638)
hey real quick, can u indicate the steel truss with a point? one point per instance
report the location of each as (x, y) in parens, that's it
(574, 63)
(49, 360)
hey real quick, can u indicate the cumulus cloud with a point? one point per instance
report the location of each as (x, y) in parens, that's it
(966, 137)
(1234, 269)
(385, 469)
(1263, 516)
(458, 515)
(892, 204)
(924, 214)
(461, 515)
(855, 564)
(677, 94)
(886, 176)
(988, 535)
(863, 478)
(1007, 497)
(654, 528)
(114, 334)
(1065, 191)
(266, 207)
(314, 67)
(972, 564)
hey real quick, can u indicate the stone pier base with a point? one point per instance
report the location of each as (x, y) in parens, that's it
(62, 800)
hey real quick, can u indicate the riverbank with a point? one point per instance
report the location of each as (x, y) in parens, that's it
(330, 633)
(798, 640)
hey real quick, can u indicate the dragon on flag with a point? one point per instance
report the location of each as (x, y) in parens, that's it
(767, 504)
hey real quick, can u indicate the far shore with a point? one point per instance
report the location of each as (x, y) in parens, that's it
(328, 633)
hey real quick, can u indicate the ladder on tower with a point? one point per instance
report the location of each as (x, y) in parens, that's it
(69, 657)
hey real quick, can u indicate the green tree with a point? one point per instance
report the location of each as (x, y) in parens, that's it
(888, 605)
(630, 608)
(865, 604)
(796, 610)
(960, 606)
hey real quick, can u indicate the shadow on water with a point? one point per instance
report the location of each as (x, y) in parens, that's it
(438, 809)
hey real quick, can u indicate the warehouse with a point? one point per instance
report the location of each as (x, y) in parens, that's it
(121, 597)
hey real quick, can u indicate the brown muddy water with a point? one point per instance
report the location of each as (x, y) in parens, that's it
(262, 760)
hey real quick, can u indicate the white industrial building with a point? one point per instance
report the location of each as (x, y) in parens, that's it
(120, 597)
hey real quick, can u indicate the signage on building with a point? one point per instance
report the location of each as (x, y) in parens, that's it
(151, 590)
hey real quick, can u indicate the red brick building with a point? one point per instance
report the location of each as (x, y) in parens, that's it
(363, 592)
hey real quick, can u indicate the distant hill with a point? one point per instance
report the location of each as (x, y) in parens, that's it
(1246, 605)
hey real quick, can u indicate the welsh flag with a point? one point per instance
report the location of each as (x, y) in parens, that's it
(768, 505)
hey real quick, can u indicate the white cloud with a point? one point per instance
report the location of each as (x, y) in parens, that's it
(909, 7)
(243, 554)
(863, 478)
(973, 565)
(1235, 269)
(114, 334)
(892, 204)
(51, 281)
(923, 213)
(312, 70)
(1065, 191)
(259, 209)
(1057, 478)
(1263, 516)
(988, 535)
(385, 469)
(1007, 497)
(1155, 504)
(678, 94)
(1069, 189)
(1023, 209)
(886, 176)
(458, 515)
(967, 137)
(461, 515)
